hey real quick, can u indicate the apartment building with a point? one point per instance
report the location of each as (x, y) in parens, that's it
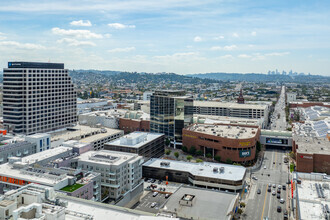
(121, 173)
(38, 97)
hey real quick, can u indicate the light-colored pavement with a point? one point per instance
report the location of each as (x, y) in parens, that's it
(265, 204)
(278, 119)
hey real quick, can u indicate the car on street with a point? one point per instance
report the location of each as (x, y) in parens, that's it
(278, 196)
(279, 187)
(284, 187)
(282, 201)
(278, 190)
(274, 185)
(258, 191)
(155, 194)
(255, 178)
(153, 204)
(269, 189)
(285, 214)
(279, 209)
(273, 193)
(265, 167)
(167, 195)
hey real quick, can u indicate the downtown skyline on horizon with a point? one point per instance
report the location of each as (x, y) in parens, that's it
(183, 37)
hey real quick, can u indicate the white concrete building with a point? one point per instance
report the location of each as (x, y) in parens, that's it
(41, 140)
(147, 95)
(121, 173)
(38, 97)
(291, 97)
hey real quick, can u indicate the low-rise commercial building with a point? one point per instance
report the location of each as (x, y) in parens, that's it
(206, 175)
(134, 121)
(231, 109)
(121, 173)
(85, 134)
(39, 202)
(236, 143)
(312, 154)
(194, 203)
(36, 168)
(144, 144)
(18, 149)
(42, 140)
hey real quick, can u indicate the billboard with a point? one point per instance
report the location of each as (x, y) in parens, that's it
(274, 141)
(244, 153)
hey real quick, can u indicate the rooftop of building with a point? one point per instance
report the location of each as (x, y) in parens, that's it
(224, 131)
(83, 133)
(135, 139)
(311, 203)
(276, 133)
(106, 157)
(233, 105)
(206, 204)
(35, 65)
(318, 128)
(38, 135)
(205, 169)
(74, 143)
(111, 113)
(6, 147)
(214, 119)
(312, 145)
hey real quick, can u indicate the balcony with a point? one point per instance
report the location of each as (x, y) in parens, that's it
(96, 186)
(112, 178)
(96, 193)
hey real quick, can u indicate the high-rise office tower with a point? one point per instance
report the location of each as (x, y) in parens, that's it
(38, 97)
(170, 112)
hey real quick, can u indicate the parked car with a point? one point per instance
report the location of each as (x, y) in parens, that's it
(285, 214)
(255, 178)
(258, 191)
(167, 195)
(155, 194)
(284, 187)
(279, 209)
(153, 204)
(145, 179)
(153, 180)
(159, 182)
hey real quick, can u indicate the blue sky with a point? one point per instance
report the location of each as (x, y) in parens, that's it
(181, 36)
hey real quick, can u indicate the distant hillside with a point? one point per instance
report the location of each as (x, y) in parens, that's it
(86, 76)
(257, 77)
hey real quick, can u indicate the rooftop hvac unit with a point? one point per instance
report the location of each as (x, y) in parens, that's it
(222, 169)
(215, 169)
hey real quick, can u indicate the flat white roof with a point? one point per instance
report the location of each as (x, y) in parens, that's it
(106, 157)
(228, 105)
(33, 158)
(135, 139)
(227, 131)
(205, 169)
(38, 135)
(101, 135)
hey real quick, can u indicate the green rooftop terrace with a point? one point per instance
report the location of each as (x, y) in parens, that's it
(72, 188)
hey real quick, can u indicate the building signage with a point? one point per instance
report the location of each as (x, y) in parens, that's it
(306, 157)
(191, 136)
(244, 153)
(244, 144)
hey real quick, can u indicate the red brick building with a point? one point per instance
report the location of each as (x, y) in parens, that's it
(130, 125)
(312, 154)
(234, 142)
(308, 104)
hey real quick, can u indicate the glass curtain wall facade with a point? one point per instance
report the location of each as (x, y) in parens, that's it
(170, 112)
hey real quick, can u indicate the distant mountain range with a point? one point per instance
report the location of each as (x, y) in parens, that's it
(258, 77)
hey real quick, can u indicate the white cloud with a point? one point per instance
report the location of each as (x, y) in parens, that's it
(177, 55)
(75, 42)
(277, 54)
(219, 37)
(83, 23)
(244, 56)
(235, 35)
(258, 56)
(125, 49)
(2, 37)
(253, 33)
(227, 56)
(120, 26)
(107, 35)
(231, 47)
(86, 34)
(216, 48)
(197, 39)
(18, 45)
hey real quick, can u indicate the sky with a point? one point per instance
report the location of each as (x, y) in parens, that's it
(180, 36)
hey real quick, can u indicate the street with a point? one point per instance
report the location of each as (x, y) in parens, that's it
(278, 119)
(265, 204)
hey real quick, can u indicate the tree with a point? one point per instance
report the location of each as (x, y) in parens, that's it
(176, 154)
(199, 153)
(184, 149)
(217, 158)
(192, 150)
(189, 157)
(229, 161)
(208, 155)
(167, 142)
(199, 161)
(292, 155)
(168, 152)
